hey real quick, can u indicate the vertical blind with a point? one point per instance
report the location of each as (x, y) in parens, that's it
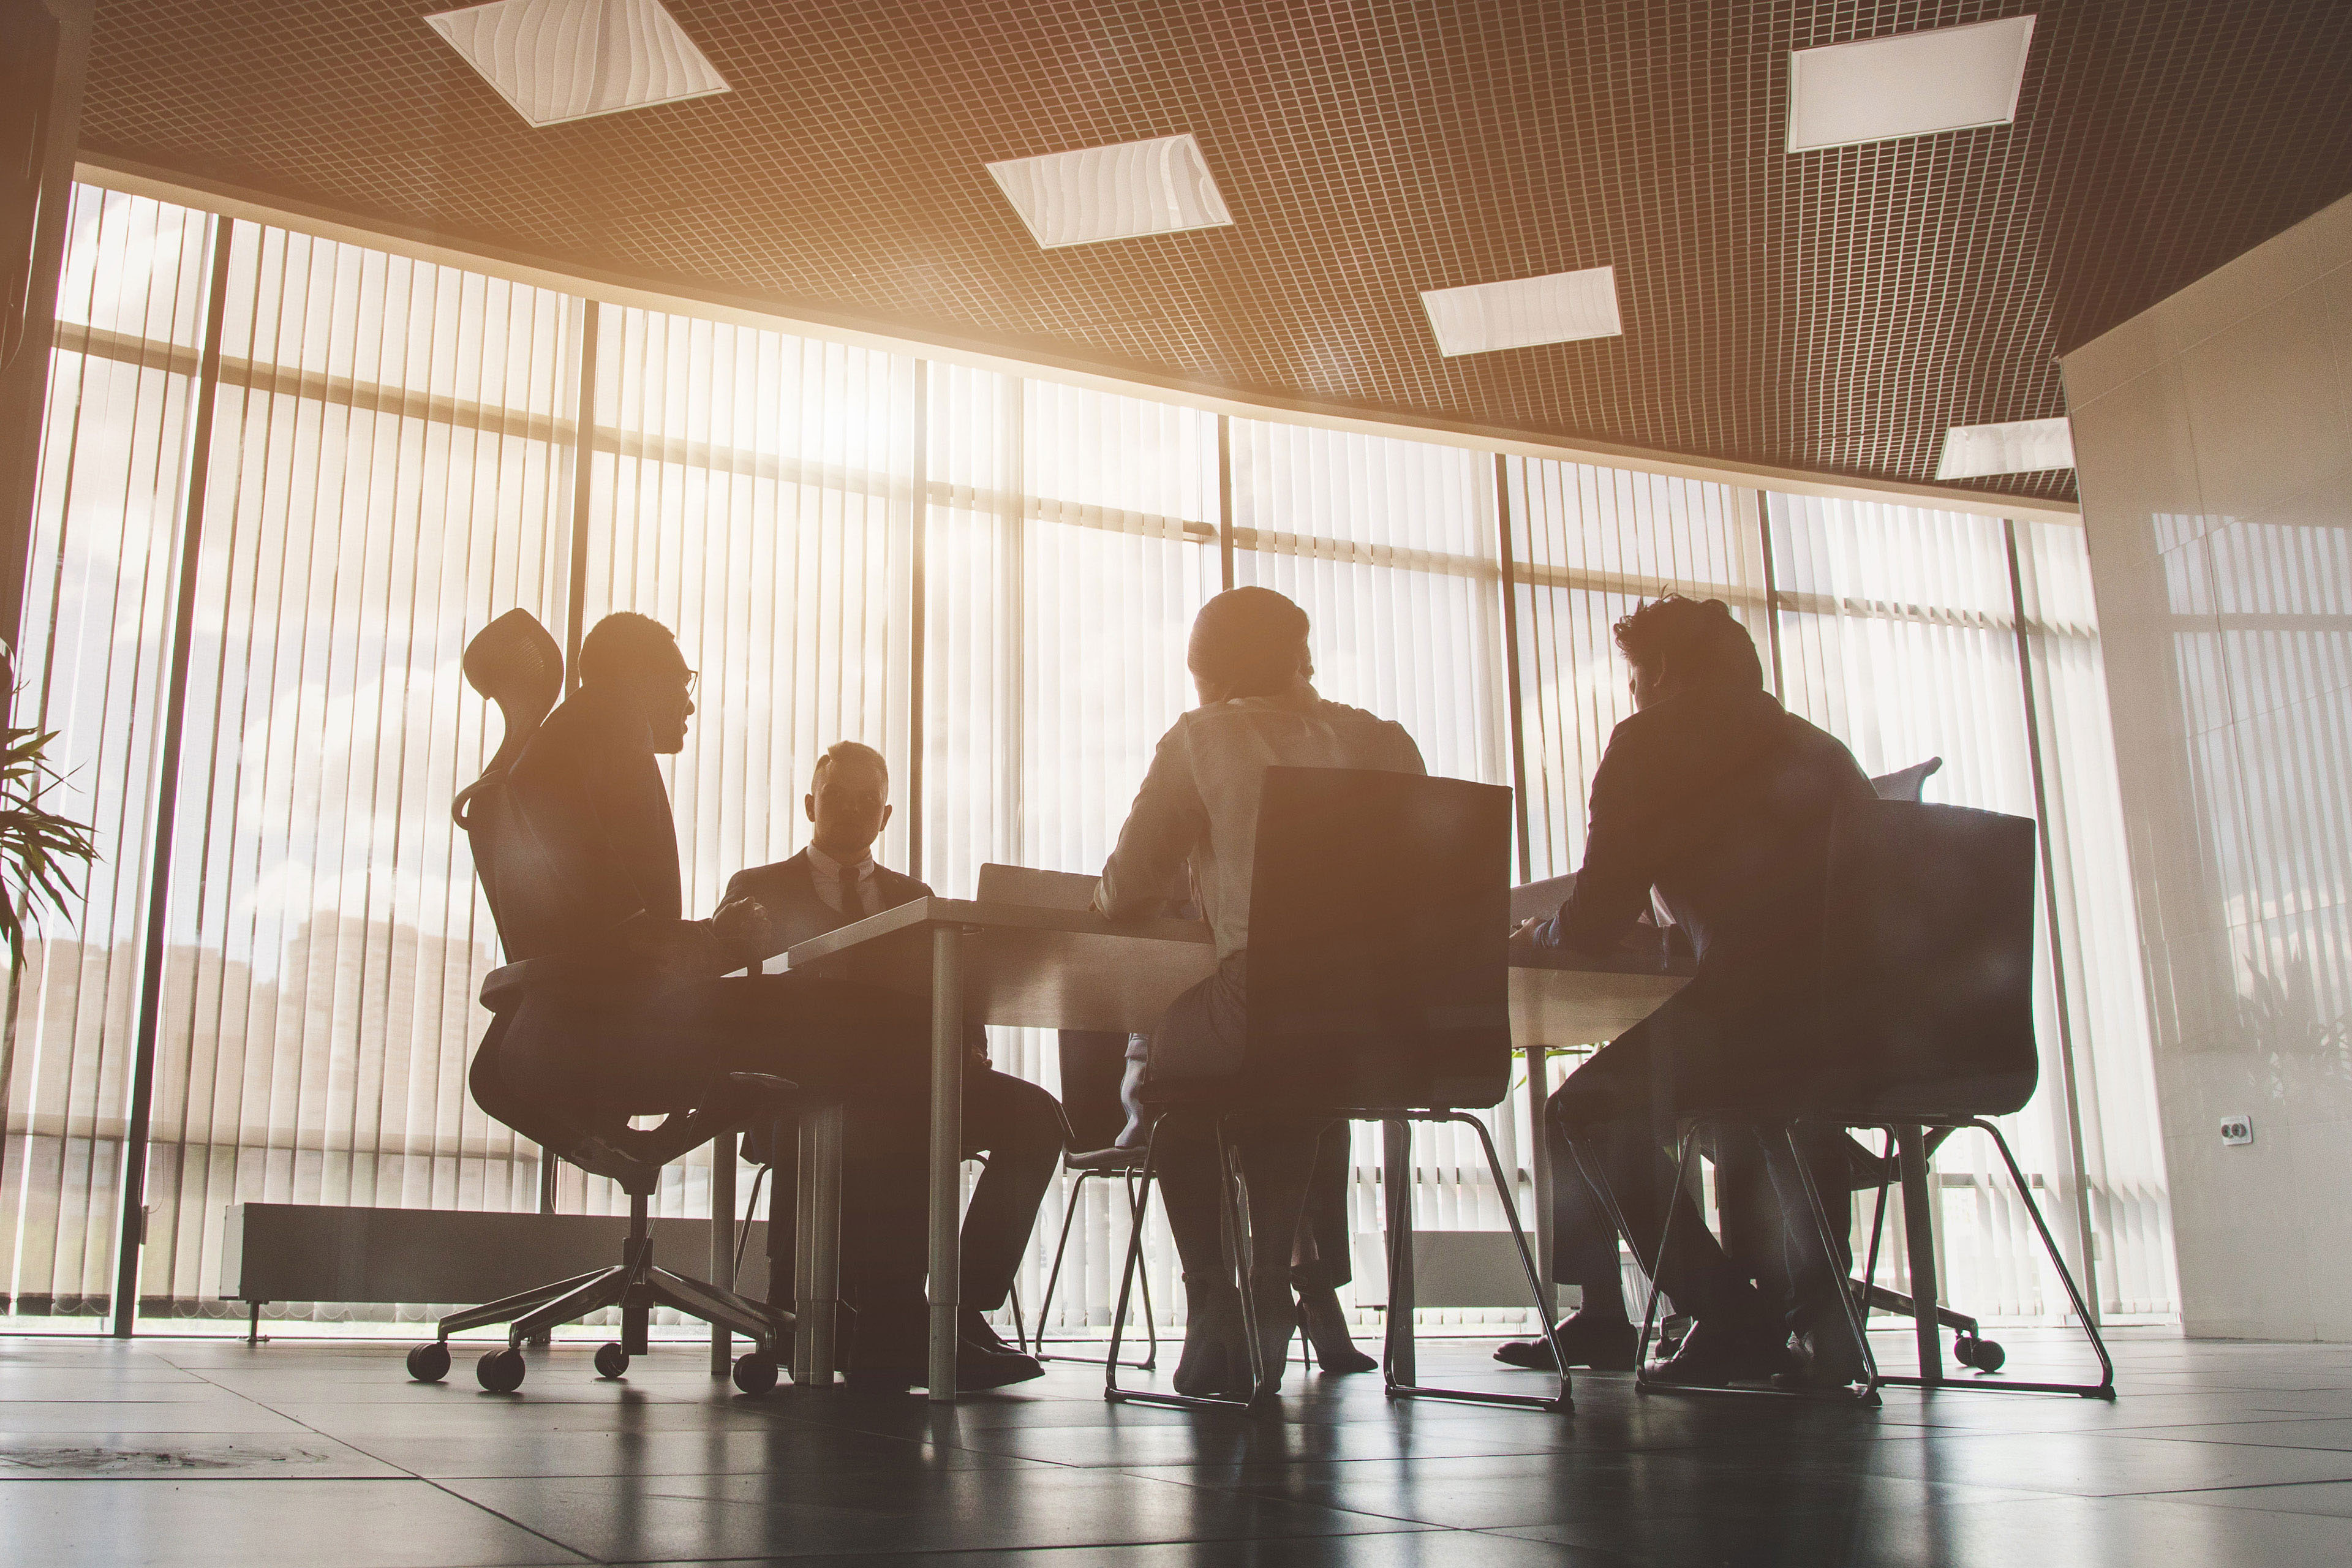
(987, 577)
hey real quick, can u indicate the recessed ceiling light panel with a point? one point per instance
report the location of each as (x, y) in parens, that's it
(567, 59)
(1159, 186)
(1559, 308)
(1913, 84)
(2028, 445)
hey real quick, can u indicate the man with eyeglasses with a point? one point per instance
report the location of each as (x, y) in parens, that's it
(653, 1021)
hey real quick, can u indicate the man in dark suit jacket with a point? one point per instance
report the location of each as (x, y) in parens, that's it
(1719, 799)
(834, 882)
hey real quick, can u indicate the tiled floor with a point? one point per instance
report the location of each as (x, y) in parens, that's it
(195, 1452)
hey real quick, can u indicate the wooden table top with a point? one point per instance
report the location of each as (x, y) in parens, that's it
(1069, 969)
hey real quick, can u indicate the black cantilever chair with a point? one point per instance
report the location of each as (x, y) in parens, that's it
(515, 663)
(1929, 972)
(1378, 991)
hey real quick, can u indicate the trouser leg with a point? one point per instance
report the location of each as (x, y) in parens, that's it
(1093, 1062)
(1020, 1126)
(1809, 1279)
(1583, 1241)
(1617, 1112)
(1319, 1260)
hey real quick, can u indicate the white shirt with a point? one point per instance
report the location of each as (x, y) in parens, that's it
(832, 878)
(1199, 800)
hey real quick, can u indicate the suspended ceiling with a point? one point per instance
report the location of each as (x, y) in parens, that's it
(1832, 312)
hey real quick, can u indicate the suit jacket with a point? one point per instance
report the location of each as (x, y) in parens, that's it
(788, 890)
(1722, 801)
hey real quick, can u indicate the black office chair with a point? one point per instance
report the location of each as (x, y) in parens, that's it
(515, 663)
(1929, 972)
(1378, 991)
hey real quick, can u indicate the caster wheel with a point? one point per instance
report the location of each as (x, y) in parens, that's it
(430, 1362)
(755, 1374)
(1989, 1355)
(1964, 1349)
(499, 1371)
(611, 1361)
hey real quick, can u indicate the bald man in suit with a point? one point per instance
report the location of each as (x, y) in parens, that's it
(834, 882)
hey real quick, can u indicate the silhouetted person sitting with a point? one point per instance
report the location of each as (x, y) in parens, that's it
(649, 1018)
(834, 882)
(1199, 802)
(1721, 801)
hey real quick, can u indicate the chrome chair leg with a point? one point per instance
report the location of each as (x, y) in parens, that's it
(1054, 1274)
(1410, 1389)
(1111, 1364)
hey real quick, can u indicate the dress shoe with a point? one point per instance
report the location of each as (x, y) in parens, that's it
(1604, 1346)
(1715, 1356)
(1327, 1330)
(1827, 1359)
(973, 1328)
(976, 1370)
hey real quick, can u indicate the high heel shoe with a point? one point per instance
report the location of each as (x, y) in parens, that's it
(1327, 1330)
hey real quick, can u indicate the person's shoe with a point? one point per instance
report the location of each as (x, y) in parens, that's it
(973, 1328)
(1604, 1346)
(1215, 1363)
(1713, 1356)
(978, 1369)
(1327, 1330)
(1827, 1359)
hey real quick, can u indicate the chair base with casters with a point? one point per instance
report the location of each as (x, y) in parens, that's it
(636, 1286)
(605, 1145)
(1399, 1374)
(1103, 1163)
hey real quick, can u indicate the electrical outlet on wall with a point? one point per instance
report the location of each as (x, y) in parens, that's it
(2237, 1130)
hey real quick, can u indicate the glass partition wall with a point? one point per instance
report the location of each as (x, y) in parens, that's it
(323, 467)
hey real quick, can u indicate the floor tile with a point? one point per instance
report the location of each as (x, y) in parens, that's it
(783, 1514)
(183, 1456)
(252, 1524)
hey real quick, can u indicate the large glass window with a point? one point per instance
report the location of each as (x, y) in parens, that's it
(987, 577)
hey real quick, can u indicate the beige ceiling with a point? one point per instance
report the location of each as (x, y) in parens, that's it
(1832, 312)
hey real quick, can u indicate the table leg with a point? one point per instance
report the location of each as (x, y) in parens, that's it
(816, 1253)
(1920, 1232)
(1540, 1170)
(1396, 1183)
(722, 1244)
(947, 1153)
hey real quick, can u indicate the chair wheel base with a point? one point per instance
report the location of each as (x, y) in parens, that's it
(612, 1361)
(756, 1372)
(499, 1371)
(430, 1362)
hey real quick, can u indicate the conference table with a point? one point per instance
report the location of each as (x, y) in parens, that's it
(1024, 967)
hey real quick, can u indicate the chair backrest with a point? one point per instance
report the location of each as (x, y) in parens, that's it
(1379, 910)
(517, 664)
(1928, 974)
(1906, 784)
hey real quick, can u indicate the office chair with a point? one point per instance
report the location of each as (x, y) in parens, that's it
(515, 663)
(1929, 973)
(1377, 991)
(1087, 1164)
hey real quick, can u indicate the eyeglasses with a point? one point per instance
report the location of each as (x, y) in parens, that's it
(692, 678)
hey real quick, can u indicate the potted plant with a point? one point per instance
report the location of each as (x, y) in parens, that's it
(40, 852)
